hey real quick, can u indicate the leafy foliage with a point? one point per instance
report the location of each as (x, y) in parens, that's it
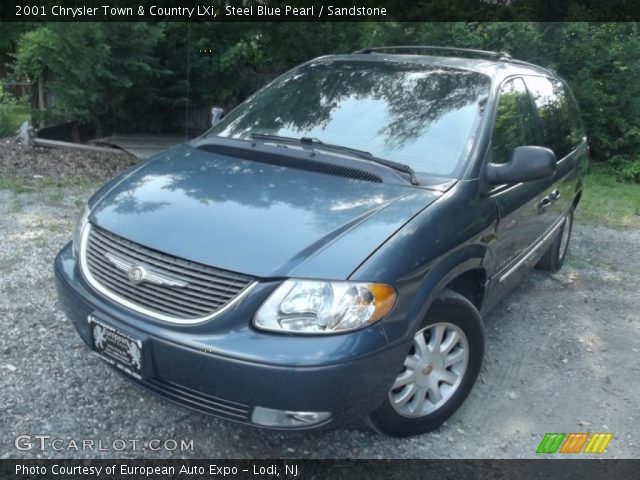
(135, 74)
(12, 113)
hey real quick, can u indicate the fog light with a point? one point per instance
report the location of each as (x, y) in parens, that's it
(287, 418)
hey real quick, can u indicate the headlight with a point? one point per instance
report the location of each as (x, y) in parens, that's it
(309, 306)
(81, 222)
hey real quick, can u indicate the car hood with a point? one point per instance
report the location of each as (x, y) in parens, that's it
(254, 218)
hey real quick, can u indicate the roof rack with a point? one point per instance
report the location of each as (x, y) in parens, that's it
(500, 56)
(529, 64)
(480, 53)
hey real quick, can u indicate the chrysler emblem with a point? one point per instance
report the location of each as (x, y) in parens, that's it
(139, 273)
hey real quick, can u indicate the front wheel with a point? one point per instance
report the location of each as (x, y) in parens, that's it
(438, 372)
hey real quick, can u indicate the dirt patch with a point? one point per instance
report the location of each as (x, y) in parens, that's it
(32, 165)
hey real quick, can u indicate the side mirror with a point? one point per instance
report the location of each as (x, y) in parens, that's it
(216, 115)
(524, 165)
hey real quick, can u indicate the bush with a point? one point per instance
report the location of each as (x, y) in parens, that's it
(624, 168)
(12, 113)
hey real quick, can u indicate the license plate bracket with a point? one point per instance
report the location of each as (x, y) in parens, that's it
(118, 348)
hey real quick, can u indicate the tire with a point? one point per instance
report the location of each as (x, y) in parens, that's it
(455, 314)
(553, 259)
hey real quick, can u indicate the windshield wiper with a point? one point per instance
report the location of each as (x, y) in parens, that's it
(399, 167)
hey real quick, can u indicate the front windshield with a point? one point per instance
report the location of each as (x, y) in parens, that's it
(420, 115)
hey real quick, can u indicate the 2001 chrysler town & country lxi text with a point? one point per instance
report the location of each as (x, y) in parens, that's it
(323, 254)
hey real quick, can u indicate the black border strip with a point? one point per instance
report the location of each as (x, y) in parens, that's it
(318, 10)
(582, 469)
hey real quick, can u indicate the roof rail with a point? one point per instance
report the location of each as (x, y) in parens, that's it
(481, 53)
(529, 64)
(500, 56)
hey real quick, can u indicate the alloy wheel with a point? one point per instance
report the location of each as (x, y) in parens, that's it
(433, 370)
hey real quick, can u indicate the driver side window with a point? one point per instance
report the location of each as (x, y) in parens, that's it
(515, 123)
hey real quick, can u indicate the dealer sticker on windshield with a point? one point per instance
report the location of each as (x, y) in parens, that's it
(116, 347)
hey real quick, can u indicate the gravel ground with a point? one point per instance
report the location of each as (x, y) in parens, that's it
(562, 356)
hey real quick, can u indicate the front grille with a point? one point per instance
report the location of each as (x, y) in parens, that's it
(203, 290)
(199, 401)
(193, 399)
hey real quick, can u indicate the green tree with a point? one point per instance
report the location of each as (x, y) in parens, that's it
(97, 71)
(142, 76)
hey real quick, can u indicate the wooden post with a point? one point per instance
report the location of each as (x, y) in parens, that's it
(41, 105)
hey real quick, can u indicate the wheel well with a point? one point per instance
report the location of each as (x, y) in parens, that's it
(470, 284)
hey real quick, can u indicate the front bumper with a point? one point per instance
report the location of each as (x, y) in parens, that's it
(225, 368)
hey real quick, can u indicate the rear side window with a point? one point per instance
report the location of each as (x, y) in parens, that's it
(559, 115)
(515, 123)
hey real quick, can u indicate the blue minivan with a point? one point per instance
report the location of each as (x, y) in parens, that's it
(323, 254)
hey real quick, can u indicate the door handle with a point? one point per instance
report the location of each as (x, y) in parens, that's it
(544, 203)
(555, 194)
